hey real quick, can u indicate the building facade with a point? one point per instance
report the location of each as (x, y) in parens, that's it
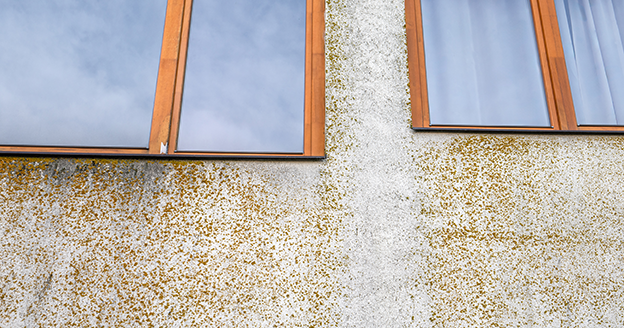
(393, 228)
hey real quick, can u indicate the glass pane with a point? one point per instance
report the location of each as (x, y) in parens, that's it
(244, 84)
(482, 63)
(593, 36)
(78, 72)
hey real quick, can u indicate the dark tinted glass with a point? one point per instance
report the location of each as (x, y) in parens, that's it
(78, 72)
(244, 85)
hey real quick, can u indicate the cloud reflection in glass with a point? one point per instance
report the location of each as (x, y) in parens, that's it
(244, 83)
(78, 72)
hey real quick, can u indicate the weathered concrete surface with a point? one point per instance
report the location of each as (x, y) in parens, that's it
(393, 229)
(525, 231)
(115, 243)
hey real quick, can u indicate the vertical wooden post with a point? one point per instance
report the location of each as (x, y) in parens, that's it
(416, 64)
(167, 71)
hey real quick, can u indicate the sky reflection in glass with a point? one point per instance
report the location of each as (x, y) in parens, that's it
(482, 63)
(244, 84)
(78, 72)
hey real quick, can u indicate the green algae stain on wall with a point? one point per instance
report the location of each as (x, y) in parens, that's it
(519, 234)
(135, 243)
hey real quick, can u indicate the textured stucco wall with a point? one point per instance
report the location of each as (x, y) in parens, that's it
(394, 229)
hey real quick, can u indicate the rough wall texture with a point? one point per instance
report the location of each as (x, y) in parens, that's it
(393, 229)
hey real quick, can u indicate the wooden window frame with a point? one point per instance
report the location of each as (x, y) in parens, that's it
(554, 72)
(170, 85)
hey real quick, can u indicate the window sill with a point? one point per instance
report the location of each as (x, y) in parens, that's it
(520, 130)
(133, 154)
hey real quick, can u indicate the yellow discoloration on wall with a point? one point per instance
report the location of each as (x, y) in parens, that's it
(123, 243)
(526, 231)
(396, 228)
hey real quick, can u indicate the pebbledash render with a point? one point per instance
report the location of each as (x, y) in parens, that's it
(393, 228)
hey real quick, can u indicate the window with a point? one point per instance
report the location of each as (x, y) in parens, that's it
(82, 77)
(501, 65)
(593, 35)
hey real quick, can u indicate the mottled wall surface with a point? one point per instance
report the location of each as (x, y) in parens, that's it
(394, 229)
(116, 243)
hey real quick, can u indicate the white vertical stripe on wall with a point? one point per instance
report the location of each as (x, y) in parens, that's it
(591, 32)
(482, 63)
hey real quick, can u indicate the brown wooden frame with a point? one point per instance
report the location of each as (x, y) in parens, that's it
(554, 72)
(170, 84)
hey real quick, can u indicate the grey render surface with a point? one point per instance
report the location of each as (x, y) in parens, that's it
(395, 228)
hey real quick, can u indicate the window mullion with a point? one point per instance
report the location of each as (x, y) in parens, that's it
(556, 81)
(179, 84)
(166, 84)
